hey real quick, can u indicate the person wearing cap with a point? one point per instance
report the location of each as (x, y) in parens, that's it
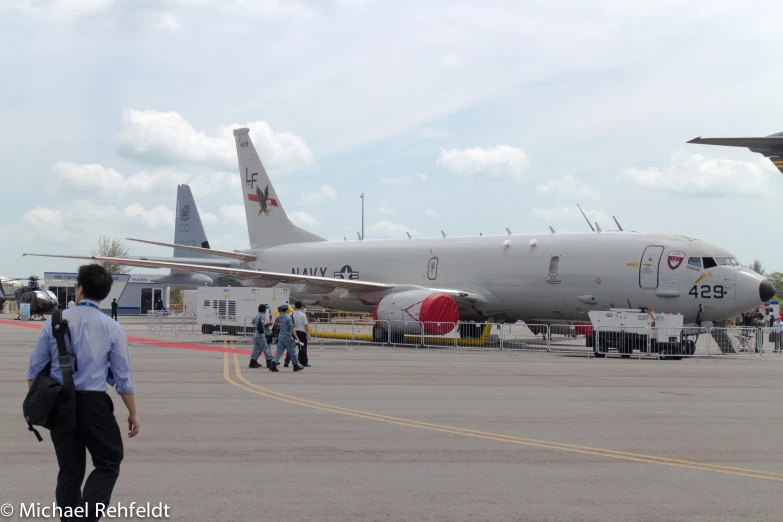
(286, 340)
(259, 338)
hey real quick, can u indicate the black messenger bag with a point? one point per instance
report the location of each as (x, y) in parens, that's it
(49, 404)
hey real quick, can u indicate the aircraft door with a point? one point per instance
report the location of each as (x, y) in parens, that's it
(648, 268)
(432, 269)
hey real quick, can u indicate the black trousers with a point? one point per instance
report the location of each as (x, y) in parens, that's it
(114, 314)
(97, 432)
(302, 355)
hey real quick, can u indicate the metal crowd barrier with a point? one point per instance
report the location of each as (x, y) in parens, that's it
(771, 341)
(669, 343)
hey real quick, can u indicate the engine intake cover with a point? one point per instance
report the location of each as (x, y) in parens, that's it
(437, 312)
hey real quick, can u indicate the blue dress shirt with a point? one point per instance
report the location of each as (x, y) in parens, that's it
(96, 340)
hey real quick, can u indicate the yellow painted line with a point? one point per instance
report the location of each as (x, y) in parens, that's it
(246, 385)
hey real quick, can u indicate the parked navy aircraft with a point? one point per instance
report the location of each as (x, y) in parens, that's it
(189, 231)
(538, 278)
(770, 146)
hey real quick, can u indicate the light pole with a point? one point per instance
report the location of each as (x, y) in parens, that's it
(362, 196)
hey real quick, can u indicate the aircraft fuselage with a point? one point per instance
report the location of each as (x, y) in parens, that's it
(560, 277)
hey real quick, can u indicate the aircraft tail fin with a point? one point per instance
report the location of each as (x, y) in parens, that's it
(188, 229)
(267, 223)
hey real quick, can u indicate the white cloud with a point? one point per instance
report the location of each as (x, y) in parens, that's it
(324, 193)
(571, 215)
(170, 23)
(167, 138)
(234, 214)
(303, 219)
(96, 179)
(496, 161)
(207, 218)
(570, 187)
(47, 223)
(385, 211)
(451, 61)
(91, 177)
(389, 229)
(159, 216)
(431, 213)
(422, 176)
(697, 175)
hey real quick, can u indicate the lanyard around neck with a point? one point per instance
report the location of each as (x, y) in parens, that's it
(85, 303)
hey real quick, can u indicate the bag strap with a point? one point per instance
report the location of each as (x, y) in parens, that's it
(59, 331)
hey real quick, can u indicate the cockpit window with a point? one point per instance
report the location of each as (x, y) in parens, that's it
(694, 262)
(709, 262)
(726, 261)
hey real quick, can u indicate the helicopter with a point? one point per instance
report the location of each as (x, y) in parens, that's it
(41, 301)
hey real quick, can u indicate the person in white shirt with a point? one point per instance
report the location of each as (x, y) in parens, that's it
(300, 325)
(777, 332)
(71, 304)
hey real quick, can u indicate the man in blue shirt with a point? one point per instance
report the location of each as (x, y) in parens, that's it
(286, 340)
(95, 342)
(259, 338)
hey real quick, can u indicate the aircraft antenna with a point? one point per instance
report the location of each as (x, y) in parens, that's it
(409, 234)
(508, 231)
(442, 233)
(588, 221)
(598, 227)
(358, 235)
(551, 229)
(617, 223)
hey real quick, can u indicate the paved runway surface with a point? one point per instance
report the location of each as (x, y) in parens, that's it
(377, 434)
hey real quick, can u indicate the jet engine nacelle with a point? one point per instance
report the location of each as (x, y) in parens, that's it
(437, 312)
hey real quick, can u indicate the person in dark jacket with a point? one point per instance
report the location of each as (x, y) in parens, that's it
(114, 309)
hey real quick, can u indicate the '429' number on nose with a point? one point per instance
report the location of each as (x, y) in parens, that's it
(708, 292)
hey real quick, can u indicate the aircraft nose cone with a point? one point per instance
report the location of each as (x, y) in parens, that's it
(766, 291)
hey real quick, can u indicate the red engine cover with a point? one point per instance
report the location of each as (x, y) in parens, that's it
(438, 308)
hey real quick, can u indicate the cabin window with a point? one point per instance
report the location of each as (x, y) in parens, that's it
(554, 262)
(709, 262)
(694, 262)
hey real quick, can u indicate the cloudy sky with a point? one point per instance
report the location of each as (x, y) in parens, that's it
(462, 116)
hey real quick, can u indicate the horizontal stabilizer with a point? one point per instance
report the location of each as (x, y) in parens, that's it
(219, 253)
(751, 143)
(769, 146)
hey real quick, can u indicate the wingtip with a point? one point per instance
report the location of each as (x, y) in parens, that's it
(695, 140)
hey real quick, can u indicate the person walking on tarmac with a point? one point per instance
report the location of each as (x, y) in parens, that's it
(300, 325)
(95, 343)
(286, 340)
(114, 306)
(261, 325)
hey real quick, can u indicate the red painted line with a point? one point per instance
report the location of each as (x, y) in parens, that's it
(144, 340)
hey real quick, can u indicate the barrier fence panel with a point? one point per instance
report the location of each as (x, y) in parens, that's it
(624, 341)
(521, 336)
(405, 333)
(771, 341)
(569, 338)
(477, 335)
(735, 342)
(439, 335)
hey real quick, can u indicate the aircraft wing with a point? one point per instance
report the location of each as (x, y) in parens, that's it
(354, 285)
(241, 273)
(207, 263)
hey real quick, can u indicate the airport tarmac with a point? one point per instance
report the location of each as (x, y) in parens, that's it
(381, 434)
